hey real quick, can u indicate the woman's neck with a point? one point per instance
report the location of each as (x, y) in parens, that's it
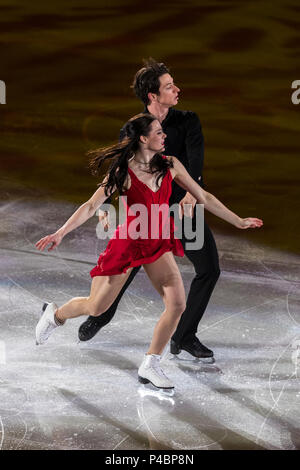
(143, 157)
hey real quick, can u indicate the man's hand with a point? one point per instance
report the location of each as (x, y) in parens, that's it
(104, 219)
(187, 205)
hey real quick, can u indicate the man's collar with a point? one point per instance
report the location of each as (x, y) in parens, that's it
(170, 111)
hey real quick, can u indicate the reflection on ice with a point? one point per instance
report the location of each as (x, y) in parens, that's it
(150, 391)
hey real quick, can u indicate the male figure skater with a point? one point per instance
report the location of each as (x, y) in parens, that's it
(155, 87)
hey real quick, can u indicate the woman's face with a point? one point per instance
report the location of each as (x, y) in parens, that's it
(156, 137)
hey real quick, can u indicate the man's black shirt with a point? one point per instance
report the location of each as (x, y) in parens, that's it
(184, 141)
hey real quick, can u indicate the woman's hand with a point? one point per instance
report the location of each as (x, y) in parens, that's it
(54, 239)
(187, 206)
(249, 222)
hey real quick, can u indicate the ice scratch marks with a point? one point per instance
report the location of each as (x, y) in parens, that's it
(24, 436)
(271, 410)
(165, 436)
(239, 313)
(288, 307)
(70, 268)
(275, 401)
(10, 204)
(132, 310)
(292, 286)
(271, 373)
(126, 437)
(277, 276)
(24, 289)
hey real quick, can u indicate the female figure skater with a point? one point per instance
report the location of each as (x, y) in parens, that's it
(140, 172)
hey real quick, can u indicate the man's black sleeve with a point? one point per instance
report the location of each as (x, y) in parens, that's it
(195, 147)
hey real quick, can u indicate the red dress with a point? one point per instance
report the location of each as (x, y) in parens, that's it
(156, 233)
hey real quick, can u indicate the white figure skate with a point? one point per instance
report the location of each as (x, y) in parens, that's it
(150, 371)
(46, 324)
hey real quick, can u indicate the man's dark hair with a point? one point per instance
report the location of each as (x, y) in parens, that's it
(146, 80)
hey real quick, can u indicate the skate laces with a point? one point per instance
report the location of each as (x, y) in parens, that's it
(157, 367)
(49, 328)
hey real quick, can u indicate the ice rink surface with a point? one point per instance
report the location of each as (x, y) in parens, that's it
(71, 395)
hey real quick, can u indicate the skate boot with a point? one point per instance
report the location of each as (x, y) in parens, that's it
(90, 327)
(46, 324)
(150, 371)
(195, 348)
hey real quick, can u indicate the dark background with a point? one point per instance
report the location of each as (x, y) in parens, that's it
(68, 66)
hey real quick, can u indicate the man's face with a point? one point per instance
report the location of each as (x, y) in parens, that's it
(168, 91)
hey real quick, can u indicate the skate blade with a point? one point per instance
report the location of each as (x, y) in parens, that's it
(187, 357)
(205, 360)
(144, 381)
(149, 390)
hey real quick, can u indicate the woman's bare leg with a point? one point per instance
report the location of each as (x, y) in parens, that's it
(104, 290)
(166, 278)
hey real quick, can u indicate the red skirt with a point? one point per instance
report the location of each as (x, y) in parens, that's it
(122, 254)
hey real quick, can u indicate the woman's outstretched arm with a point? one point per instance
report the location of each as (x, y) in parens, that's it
(211, 203)
(81, 215)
